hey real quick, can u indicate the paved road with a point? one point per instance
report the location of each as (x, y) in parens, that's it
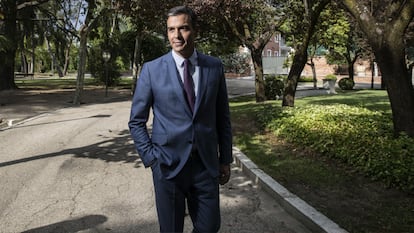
(75, 170)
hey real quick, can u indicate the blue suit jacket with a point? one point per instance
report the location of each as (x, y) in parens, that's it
(175, 127)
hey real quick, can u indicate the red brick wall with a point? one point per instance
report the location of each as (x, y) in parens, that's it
(362, 70)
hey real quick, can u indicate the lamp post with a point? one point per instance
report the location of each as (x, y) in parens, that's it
(106, 55)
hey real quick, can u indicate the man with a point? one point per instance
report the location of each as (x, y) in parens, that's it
(190, 146)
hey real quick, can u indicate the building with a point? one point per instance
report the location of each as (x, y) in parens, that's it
(275, 54)
(276, 47)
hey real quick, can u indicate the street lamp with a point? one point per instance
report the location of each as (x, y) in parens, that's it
(106, 55)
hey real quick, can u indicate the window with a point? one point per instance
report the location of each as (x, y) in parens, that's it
(269, 52)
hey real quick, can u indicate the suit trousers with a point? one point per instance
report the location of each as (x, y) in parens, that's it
(193, 186)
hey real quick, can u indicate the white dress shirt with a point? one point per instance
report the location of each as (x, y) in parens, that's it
(194, 68)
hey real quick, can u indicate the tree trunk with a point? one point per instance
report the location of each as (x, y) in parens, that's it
(25, 65)
(391, 60)
(258, 68)
(8, 54)
(83, 49)
(386, 38)
(69, 45)
(351, 63)
(67, 59)
(315, 80)
(299, 61)
(82, 65)
(136, 63)
(33, 55)
(312, 14)
(351, 70)
(55, 62)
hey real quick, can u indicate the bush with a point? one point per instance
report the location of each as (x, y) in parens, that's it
(274, 86)
(355, 135)
(102, 70)
(305, 79)
(330, 77)
(346, 83)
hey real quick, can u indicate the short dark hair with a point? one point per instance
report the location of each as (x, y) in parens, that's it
(184, 10)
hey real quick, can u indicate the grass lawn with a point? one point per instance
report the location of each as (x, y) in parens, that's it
(338, 190)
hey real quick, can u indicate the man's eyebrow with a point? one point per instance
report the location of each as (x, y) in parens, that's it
(179, 27)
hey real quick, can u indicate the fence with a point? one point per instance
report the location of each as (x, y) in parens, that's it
(274, 65)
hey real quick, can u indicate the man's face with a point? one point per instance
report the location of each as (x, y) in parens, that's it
(181, 34)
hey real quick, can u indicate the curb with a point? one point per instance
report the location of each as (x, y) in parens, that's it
(295, 206)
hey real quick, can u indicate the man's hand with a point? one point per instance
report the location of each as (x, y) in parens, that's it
(224, 173)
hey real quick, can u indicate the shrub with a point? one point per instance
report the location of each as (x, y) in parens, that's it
(330, 77)
(102, 70)
(355, 135)
(346, 83)
(305, 79)
(274, 86)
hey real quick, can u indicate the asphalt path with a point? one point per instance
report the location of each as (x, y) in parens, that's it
(75, 169)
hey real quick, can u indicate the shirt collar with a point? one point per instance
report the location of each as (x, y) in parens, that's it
(180, 60)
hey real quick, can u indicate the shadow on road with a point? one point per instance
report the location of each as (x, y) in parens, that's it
(117, 149)
(71, 226)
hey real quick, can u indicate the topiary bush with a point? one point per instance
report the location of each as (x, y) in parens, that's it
(305, 79)
(330, 77)
(274, 86)
(346, 83)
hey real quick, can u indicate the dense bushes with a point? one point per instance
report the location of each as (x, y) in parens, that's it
(355, 135)
(346, 83)
(274, 86)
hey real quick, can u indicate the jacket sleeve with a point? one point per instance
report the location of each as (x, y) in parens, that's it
(140, 110)
(224, 123)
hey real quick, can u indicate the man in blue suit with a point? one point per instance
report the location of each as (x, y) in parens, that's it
(190, 147)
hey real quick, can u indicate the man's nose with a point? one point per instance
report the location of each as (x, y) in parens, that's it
(177, 33)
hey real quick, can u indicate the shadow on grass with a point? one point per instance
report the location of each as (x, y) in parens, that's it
(375, 100)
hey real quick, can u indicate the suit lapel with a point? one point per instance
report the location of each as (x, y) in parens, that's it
(203, 80)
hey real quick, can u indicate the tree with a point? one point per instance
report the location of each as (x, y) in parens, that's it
(9, 10)
(251, 22)
(343, 39)
(385, 25)
(13, 14)
(72, 12)
(92, 15)
(299, 29)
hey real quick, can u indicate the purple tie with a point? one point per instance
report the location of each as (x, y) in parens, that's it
(189, 84)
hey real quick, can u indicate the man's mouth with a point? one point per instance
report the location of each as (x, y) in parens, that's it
(179, 43)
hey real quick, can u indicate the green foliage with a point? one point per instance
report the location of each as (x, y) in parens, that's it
(274, 86)
(4, 43)
(153, 47)
(104, 72)
(358, 136)
(305, 79)
(346, 83)
(236, 63)
(330, 77)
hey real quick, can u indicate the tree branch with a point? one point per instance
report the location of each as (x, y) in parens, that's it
(30, 3)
